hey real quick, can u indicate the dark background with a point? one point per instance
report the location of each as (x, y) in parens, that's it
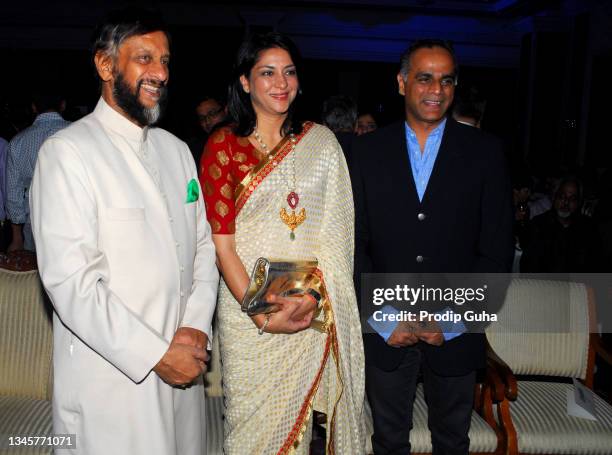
(542, 65)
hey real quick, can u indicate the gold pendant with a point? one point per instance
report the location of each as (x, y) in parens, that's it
(293, 220)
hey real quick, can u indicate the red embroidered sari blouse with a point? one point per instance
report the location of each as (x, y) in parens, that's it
(225, 162)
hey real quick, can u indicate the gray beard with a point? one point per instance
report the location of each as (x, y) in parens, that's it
(128, 101)
(152, 114)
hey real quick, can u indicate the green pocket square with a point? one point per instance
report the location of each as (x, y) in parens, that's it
(193, 191)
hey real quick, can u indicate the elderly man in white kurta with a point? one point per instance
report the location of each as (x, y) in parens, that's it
(125, 253)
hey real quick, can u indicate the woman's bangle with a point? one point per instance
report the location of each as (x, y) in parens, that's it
(264, 325)
(315, 296)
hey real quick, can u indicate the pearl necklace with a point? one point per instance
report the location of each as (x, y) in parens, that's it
(292, 220)
(258, 138)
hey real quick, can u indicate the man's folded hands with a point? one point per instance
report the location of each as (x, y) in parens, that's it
(185, 359)
(409, 333)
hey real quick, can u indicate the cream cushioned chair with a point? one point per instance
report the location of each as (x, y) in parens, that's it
(26, 346)
(545, 329)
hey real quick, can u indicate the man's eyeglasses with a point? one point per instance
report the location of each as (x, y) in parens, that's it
(210, 115)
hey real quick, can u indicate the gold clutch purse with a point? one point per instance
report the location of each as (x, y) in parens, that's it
(277, 276)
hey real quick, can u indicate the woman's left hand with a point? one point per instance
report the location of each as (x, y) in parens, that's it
(305, 308)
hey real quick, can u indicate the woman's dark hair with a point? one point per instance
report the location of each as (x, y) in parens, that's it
(239, 103)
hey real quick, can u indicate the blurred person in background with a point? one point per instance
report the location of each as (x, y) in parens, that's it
(469, 106)
(5, 235)
(562, 240)
(366, 123)
(340, 115)
(21, 160)
(210, 111)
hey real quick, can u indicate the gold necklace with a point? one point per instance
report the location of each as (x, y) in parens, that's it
(292, 220)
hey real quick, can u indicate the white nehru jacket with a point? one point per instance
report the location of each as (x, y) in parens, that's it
(126, 260)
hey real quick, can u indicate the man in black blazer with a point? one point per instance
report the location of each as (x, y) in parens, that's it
(431, 196)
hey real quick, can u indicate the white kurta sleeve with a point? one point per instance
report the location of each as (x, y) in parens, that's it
(201, 303)
(75, 272)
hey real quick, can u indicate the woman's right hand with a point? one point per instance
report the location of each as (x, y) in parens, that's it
(281, 321)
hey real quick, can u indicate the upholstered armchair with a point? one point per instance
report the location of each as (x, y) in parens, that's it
(26, 346)
(536, 363)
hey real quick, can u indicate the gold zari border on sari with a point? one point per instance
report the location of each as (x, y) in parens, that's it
(251, 181)
(331, 345)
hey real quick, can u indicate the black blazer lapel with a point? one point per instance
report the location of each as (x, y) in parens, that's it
(445, 164)
(400, 169)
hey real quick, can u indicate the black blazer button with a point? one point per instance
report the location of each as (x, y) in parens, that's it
(421, 216)
(420, 258)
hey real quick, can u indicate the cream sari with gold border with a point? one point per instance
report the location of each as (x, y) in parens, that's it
(272, 382)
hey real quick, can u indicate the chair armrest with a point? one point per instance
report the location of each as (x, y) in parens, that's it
(504, 373)
(494, 382)
(494, 404)
(18, 261)
(601, 350)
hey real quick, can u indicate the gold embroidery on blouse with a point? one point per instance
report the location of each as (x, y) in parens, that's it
(222, 157)
(219, 137)
(214, 171)
(240, 157)
(226, 191)
(221, 208)
(208, 188)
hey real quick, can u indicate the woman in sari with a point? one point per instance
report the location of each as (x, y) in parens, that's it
(278, 188)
